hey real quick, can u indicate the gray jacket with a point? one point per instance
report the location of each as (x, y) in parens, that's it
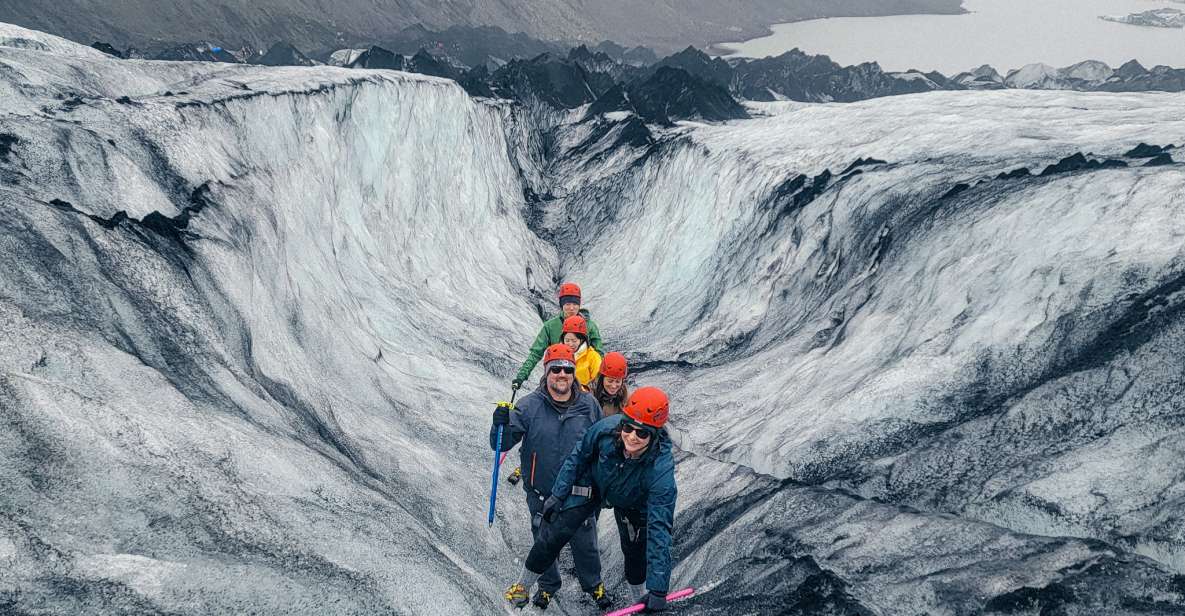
(548, 433)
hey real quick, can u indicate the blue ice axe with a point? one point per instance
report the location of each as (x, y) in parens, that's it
(498, 463)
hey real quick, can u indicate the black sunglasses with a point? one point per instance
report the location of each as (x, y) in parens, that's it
(641, 432)
(564, 369)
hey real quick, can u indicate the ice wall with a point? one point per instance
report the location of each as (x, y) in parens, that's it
(963, 303)
(249, 336)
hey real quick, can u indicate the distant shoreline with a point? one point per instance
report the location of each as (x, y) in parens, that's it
(723, 48)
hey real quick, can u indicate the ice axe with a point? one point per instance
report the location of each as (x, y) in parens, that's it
(498, 460)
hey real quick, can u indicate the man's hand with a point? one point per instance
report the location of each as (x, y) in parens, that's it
(551, 507)
(502, 414)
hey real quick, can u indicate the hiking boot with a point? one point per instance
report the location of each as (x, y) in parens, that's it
(542, 599)
(598, 594)
(517, 596)
(515, 477)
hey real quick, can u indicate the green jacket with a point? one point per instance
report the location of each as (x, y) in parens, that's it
(552, 333)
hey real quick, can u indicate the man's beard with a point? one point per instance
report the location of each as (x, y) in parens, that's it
(555, 387)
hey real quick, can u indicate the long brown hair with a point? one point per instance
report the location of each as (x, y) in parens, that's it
(598, 388)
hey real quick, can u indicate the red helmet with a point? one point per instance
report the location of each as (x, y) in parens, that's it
(559, 352)
(648, 406)
(613, 365)
(569, 289)
(575, 325)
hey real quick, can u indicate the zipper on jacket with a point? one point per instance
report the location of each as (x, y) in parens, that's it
(533, 454)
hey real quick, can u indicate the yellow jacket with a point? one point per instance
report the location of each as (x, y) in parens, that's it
(588, 366)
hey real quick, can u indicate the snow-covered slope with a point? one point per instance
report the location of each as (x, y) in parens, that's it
(251, 321)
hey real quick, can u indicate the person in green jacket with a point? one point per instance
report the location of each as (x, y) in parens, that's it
(552, 331)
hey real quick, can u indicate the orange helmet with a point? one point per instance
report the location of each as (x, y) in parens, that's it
(575, 325)
(613, 365)
(569, 291)
(648, 406)
(559, 352)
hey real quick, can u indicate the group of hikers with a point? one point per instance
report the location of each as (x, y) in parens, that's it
(589, 444)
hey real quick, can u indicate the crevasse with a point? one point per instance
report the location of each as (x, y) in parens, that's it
(268, 389)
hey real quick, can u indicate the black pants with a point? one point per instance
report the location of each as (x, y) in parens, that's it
(551, 538)
(583, 546)
(631, 529)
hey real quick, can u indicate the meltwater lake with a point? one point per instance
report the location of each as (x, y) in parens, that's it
(1004, 33)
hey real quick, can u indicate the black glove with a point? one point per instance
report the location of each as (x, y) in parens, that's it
(655, 601)
(516, 383)
(551, 507)
(501, 415)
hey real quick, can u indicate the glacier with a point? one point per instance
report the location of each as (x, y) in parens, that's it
(923, 350)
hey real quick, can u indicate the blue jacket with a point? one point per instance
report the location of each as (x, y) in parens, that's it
(647, 484)
(548, 433)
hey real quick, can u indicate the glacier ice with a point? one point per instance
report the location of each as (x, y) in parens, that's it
(252, 320)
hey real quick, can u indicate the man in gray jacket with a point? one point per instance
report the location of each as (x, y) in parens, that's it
(550, 421)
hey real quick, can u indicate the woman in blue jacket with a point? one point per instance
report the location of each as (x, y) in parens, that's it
(624, 462)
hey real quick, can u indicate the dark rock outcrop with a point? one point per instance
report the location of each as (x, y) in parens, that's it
(636, 56)
(803, 77)
(197, 53)
(601, 62)
(673, 94)
(1132, 77)
(616, 99)
(477, 82)
(108, 49)
(1160, 160)
(982, 78)
(468, 46)
(428, 64)
(559, 82)
(281, 54)
(1079, 162)
(7, 143)
(379, 57)
(1144, 150)
(701, 66)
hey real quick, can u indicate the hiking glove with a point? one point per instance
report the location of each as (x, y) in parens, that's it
(551, 507)
(501, 415)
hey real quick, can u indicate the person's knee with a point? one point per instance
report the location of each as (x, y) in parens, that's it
(585, 543)
(560, 531)
(552, 539)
